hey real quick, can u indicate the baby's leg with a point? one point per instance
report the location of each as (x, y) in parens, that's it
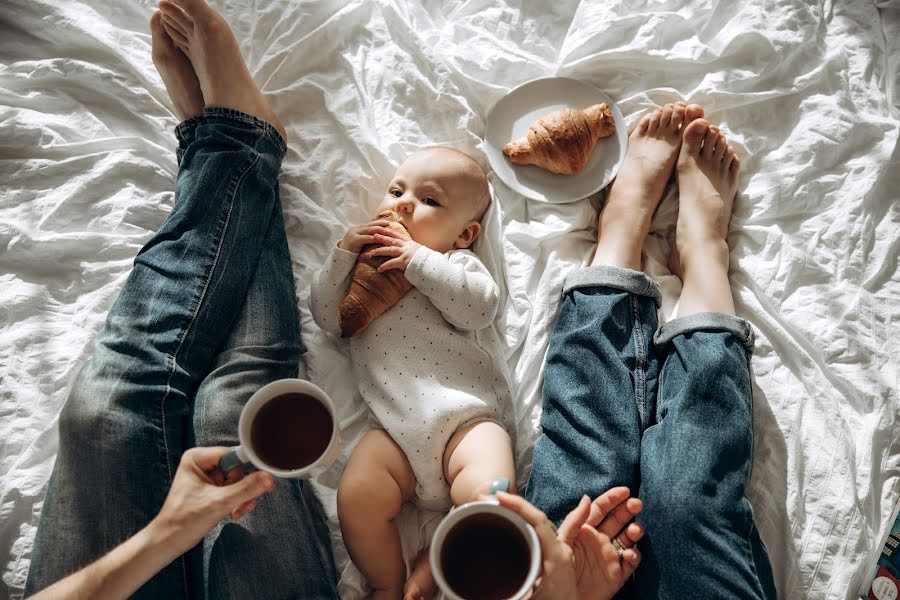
(374, 486)
(474, 457)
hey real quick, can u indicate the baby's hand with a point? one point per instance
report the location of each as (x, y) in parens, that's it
(399, 246)
(362, 235)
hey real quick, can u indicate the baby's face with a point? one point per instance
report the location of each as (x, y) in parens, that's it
(439, 196)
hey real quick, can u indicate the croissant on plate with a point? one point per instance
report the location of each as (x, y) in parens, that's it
(371, 293)
(562, 141)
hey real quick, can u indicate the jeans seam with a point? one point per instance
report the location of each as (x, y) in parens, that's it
(640, 382)
(752, 560)
(231, 195)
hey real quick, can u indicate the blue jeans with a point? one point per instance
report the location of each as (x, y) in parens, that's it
(207, 316)
(667, 413)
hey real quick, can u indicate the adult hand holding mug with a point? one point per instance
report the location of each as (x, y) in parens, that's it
(592, 554)
(200, 497)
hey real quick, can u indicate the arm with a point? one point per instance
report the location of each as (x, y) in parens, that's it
(329, 287)
(200, 497)
(458, 284)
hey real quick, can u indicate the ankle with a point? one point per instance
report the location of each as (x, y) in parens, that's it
(701, 255)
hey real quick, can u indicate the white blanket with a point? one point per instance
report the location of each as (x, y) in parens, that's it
(808, 92)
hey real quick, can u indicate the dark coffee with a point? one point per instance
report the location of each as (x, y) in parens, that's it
(485, 557)
(291, 431)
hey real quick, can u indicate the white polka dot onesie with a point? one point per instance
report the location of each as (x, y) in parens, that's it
(421, 367)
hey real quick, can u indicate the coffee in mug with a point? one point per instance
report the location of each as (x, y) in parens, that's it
(288, 428)
(485, 557)
(484, 551)
(291, 431)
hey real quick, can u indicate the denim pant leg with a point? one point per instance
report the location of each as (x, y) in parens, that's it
(281, 549)
(126, 421)
(599, 386)
(701, 541)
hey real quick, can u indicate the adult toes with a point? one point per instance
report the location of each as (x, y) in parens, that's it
(174, 13)
(643, 124)
(693, 112)
(173, 32)
(709, 142)
(654, 120)
(728, 156)
(694, 134)
(678, 115)
(721, 145)
(189, 6)
(665, 116)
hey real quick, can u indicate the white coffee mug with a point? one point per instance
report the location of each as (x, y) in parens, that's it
(488, 506)
(245, 455)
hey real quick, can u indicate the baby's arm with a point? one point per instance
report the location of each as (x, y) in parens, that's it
(458, 284)
(329, 287)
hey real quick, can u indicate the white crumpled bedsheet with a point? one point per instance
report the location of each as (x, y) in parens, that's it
(807, 91)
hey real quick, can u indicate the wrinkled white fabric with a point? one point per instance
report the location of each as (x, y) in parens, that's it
(806, 91)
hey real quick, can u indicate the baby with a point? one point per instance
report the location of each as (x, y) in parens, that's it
(426, 375)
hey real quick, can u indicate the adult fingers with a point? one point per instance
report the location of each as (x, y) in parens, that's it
(543, 527)
(631, 535)
(243, 509)
(571, 525)
(631, 558)
(620, 517)
(605, 503)
(597, 545)
(205, 457)
(249, 488)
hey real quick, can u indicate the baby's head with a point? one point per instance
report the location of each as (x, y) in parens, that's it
(440, 195)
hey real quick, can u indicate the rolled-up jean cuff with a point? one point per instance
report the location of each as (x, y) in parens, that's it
(213, 113)
(620, 278)
(705, 322)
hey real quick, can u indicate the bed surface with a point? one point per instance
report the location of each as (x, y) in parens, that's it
(807, 92)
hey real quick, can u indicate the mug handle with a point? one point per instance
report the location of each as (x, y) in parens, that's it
(236, 457)
(499, 484)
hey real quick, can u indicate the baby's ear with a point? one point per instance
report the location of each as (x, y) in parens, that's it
(468, 235)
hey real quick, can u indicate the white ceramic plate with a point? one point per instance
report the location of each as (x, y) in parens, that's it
(513, 114)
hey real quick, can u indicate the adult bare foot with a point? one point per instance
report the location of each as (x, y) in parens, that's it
(176, 71)
(653, 148)
(421, 583)
(210, 45)
(708, 172)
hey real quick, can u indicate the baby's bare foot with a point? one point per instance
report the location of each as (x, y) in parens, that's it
(652, 151)
(176, 71)
(708, 172)
(421, 584)
(209, 43)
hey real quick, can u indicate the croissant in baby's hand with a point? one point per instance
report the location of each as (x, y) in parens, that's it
(371, 293)
(562, 141)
